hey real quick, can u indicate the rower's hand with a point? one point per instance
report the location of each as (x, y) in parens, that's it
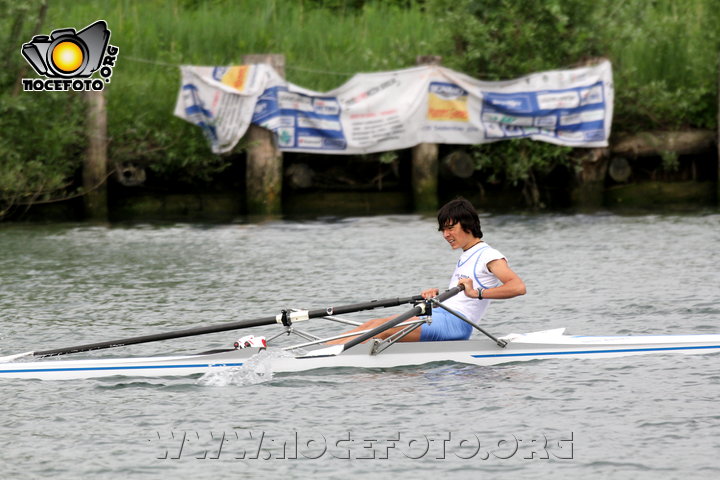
(468, 284)
(430, 293)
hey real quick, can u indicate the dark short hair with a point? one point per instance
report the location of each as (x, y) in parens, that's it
(460, 211)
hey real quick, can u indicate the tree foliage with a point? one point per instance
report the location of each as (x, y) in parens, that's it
(41, 139)
(664, 55)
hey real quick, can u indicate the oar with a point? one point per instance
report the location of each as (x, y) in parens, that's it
(498, 341)
(285, 317)
(418, 310)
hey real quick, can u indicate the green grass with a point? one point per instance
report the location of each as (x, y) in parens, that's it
(665, 55)
(322, 50)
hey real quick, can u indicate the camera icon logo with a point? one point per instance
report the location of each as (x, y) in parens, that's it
(66, 54)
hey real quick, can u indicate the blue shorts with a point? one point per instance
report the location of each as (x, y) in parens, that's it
(445, 326)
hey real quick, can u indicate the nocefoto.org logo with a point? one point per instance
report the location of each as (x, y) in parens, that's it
(68, 59)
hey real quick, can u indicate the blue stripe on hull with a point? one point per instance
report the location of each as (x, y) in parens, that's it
(581, 352)
(136, 367)
(490, 355)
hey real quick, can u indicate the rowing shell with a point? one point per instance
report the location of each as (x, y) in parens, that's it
(480, 351)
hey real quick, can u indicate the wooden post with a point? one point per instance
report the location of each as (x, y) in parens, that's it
(589, 188)
(425, 162)
(95, 162)
(263, 176)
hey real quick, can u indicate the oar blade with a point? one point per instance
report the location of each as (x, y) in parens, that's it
(12, 358)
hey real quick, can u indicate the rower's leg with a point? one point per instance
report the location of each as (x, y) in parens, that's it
(413, 336)
(365, 326)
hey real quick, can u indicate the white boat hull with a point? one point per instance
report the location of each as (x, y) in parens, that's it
(479, 351)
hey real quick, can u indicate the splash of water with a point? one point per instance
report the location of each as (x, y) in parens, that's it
(257, 369)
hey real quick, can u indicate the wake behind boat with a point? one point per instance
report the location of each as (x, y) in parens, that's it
(374, 353)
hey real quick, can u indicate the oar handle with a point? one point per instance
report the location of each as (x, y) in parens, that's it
(418, 310)
(450, 293)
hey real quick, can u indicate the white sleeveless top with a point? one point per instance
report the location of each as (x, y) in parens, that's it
(473, 264)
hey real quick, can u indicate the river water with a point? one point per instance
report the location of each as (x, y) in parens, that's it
(642, 417)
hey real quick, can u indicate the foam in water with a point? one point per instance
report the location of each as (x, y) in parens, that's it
(257, 369)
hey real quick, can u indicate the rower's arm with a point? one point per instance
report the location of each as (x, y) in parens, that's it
(512, 284)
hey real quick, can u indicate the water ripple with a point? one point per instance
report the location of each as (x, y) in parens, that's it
(637, 417)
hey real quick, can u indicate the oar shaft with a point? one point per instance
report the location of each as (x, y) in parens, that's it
(499, 342)
(385, 326)
(321, 312)
(400, 318)
(156, 337)
(358, 307)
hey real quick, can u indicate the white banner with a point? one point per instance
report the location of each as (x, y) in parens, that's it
(376, 112)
